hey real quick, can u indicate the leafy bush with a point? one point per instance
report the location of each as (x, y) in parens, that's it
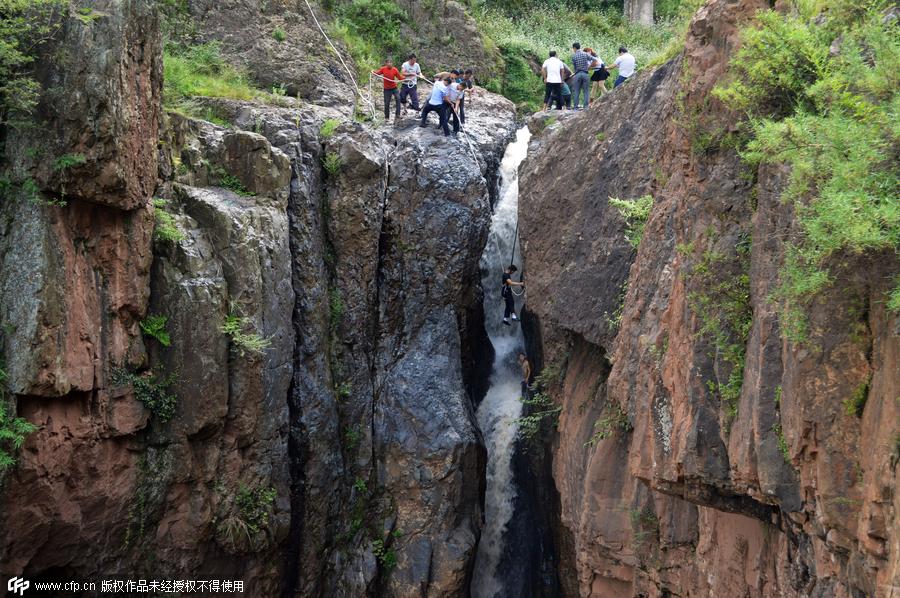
(332, 163)
(386, 556)
(279, 35)
(635, 212)
(539, 404)
(68, 161)
(151, 390)
(831, 116)
(236, 327)
(25, 26)
(371, 30)
(856, 402)
(155, 326)
(13, 430)
(254, 506)
(165, 229)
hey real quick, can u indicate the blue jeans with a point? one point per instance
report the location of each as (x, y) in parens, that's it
(581, 82)
(619, 80)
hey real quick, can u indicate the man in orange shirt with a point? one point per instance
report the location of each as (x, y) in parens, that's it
(391, 76)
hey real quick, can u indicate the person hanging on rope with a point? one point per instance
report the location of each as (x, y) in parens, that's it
(526, 375)
(412, 72)
(391, 77)
(507, 294)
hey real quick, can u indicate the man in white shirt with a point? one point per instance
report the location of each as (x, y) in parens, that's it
(440, 103)
(551, 72)
(411, 72)
(625, 63)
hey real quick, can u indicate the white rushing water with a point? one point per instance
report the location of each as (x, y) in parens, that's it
(501, 406)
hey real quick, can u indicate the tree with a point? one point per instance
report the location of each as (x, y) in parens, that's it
(639, 11)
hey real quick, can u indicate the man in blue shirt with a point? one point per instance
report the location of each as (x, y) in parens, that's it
(581, 81)
(440, 103)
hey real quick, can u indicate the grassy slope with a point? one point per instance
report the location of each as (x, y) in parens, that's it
(525, 39)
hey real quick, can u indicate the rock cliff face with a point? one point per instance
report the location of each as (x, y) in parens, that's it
(304, 63)
(340, 456)
(774, 489)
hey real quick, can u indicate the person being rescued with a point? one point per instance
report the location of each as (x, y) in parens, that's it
(526, 375)
(507, 294)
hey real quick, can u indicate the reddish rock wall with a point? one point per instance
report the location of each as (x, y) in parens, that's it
(690, 496)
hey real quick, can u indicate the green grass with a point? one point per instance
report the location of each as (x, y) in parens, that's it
(613, 420)
(635, 212)
(166, 229)
(328, 127)
(526, 34)
(201, 71)
(332, 163)
(370, 29)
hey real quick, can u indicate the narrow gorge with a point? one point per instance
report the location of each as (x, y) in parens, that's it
(256, 336)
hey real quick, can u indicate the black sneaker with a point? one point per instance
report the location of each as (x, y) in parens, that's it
(506, 321)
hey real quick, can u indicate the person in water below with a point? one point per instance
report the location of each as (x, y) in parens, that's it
(526, 375)
(507, 294)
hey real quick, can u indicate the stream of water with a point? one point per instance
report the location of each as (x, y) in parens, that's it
(501, 406)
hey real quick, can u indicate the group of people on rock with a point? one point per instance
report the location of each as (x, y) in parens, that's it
(447, 99)
(585, 80)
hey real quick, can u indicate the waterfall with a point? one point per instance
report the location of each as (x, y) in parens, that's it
(501, 406)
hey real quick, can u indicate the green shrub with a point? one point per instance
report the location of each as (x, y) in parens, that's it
(856, 402)
(328, 127)
(360, 485)
(68, 161)
(332, 163)
(371, 31)
(25, 26)
(720, 299)
(635, 212)
(279, 35)
(832, 118)
(229, 181)
(386, 556)
(155, 326)
(166, 229)
(13, 430)
(782, 442)
(614, 419)
(254, 506)
(539, 403)
(151, 390)
(236, 327)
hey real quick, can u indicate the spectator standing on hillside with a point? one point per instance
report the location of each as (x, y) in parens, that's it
(456, 95)
(391, 77)
(599, 76)
(625, 63)
(552, 74)
(582, 62)
(469, 81)
(411, 73)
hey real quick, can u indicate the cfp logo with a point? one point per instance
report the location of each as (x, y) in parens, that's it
(17, 585)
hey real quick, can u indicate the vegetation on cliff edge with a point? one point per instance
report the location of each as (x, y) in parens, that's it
(819, 88)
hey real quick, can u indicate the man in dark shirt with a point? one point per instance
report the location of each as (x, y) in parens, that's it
(506, 293)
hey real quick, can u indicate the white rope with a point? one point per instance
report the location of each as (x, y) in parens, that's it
(341, 58)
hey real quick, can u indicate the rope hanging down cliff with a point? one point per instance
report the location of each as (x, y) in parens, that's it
(365, 100)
